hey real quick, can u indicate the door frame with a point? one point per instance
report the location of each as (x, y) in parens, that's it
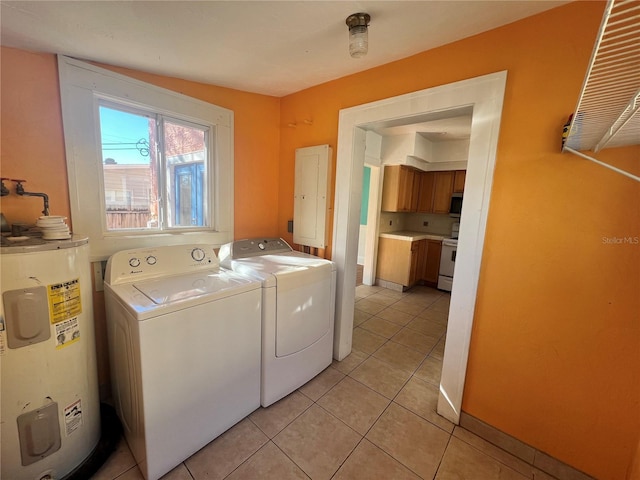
(485, 94)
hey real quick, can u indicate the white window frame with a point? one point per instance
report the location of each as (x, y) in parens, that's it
(82, 85)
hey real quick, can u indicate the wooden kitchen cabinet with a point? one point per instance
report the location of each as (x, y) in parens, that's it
(432, 262)
(407, 263)
(443, 188)
(426, 182)
(415, 269)
(399, 189)
(458, 181)
(435, 189)
(429, 261)
(406, 189)
(398, 261)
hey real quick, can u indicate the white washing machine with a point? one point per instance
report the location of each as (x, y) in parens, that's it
(184, 345)
(298, 310)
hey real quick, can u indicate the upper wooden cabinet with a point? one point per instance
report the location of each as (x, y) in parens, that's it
(435, 191)
(406, 189)
(426, 182)
(458, 181)
(399, 189)
(443, 188)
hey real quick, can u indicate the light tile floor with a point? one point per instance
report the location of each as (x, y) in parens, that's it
(371, 416)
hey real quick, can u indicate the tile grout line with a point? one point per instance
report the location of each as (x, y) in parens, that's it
(270, 439)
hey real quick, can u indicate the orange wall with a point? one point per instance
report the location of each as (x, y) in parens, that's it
(555, 354)
(31, 137)
(32, 141)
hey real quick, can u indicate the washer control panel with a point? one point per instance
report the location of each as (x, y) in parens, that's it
(131, 265)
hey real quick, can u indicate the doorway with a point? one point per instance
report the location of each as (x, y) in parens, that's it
(485, 95)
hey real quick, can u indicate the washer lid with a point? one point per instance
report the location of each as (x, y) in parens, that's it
(218, 283)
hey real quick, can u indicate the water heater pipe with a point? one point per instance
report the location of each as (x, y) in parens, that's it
(20, 191)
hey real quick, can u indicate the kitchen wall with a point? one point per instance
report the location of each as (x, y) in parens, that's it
(437, 223)
(555, 349)
(555, 356)
(394, 221)
(391, 222)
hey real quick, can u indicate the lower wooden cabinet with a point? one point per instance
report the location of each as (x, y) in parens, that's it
(415, 269)
(395, 260)
(432, 262)
(407, 263)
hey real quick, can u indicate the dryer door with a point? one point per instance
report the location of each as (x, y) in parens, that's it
(303, 308)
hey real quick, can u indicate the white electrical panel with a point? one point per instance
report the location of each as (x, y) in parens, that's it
(311, 196)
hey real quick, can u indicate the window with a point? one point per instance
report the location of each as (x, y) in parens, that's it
(146, 166)
(154, 171)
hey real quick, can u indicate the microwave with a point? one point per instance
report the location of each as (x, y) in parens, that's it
(456, 205)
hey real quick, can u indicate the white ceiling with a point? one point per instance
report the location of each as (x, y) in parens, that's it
(268, 47)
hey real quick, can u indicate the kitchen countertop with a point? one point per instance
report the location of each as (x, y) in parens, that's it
(411, 236)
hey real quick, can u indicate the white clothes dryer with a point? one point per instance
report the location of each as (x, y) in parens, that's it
(298, 311)
(184, 345)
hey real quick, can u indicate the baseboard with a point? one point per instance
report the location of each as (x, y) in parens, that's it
(534, 457)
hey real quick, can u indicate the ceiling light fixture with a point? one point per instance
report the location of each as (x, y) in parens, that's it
(358, 24)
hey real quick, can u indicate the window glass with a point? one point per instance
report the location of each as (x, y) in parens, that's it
(185, 150)
(129, 174)
(133, 152)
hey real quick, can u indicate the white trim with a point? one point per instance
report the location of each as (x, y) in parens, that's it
(81, 84)
(485, 94)
(373, 219)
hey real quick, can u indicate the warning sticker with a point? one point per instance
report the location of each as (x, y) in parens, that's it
(3, 333)
(67, 332)
(64, 300)
(73, 417)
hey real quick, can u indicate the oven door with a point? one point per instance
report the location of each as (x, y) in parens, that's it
(448, 259)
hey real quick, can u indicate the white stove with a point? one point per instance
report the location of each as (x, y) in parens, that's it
(448, 259)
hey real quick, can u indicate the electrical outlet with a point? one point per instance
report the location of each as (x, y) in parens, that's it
(425, 224)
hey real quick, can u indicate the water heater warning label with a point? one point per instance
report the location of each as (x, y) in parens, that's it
(67, 332)
(64, 300)
(73, 417)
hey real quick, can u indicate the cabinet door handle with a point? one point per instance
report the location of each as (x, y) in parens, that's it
(453, 255)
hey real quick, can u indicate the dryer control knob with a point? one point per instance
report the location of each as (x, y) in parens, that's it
(134, 262)
(151, 260)
(261, 246)
(197, 254)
